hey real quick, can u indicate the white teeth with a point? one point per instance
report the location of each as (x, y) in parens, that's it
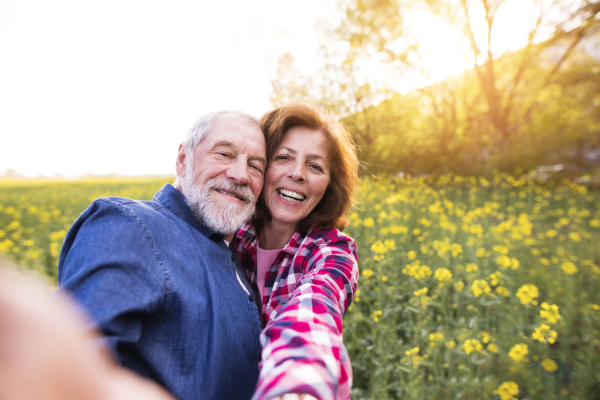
(292, 196)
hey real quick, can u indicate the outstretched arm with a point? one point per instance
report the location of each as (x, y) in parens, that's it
(47, 354)
(303, 349)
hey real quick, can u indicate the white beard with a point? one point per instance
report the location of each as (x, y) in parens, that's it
(220, 216)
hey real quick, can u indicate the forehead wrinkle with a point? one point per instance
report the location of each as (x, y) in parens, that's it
(223, 143)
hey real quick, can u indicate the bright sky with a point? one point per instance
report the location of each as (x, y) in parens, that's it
(113, 86)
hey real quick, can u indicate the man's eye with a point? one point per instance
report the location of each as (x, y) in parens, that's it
(257, 168)
(225, 155)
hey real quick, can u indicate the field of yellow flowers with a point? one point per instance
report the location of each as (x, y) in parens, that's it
(476, 289)
(470, 288)
(36, 215)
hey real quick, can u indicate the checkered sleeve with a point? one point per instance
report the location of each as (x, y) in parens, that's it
(303, 350)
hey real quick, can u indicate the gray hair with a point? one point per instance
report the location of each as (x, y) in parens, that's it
(202, 126)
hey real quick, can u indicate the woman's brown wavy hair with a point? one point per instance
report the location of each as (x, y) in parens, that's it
(332, 211)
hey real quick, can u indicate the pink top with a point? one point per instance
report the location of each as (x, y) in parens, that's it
(264, 260)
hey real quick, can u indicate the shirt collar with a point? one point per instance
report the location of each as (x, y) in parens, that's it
(175, 202)
(249, 237)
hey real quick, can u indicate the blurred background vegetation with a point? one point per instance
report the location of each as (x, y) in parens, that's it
(536, 106)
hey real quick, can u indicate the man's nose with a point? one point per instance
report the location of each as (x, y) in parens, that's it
(238, 172)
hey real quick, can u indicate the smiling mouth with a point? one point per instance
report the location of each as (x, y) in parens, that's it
(232, 194)
(291, 196)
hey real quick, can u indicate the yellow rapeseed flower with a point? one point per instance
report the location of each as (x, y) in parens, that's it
(550, 312)
(412, 351)
(472, 267)
(459, 286)
(411, 255)
(479, 287)
(551, 233)
(568, 267)
(456, 249)
(480, 252)
(472, 345)
(493, 348)
(450, 344)
(544, 334)
(420, 292)
(367, 273)
(500, 249)
(369, 222)
(518, 352)
(416, 270)
(574, 236)
(594, 223)
(485, 337)
(504, 261)
(527, 293)
(514, 263)
(397, 229)
(379, 248)
(502, 291)
(495, 278)
(442, 274)
(549, 364)
(13, 225)
(507, 390)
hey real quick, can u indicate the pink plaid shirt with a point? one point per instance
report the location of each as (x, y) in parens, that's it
(307, 292)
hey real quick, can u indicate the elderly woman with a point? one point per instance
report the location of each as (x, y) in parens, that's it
(304, 269)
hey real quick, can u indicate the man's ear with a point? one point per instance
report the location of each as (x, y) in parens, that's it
(180, 160)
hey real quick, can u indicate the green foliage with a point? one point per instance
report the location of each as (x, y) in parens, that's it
(444, 127)
(536, 106)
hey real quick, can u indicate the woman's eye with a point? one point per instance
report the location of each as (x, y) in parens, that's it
(282, 157)
(316, 167)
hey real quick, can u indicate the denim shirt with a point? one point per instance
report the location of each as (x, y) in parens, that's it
(163, 290)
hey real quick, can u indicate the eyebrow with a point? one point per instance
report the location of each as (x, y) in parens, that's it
(311, 155)
(225, 143)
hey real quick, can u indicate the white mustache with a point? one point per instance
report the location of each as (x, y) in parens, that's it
(240, 191)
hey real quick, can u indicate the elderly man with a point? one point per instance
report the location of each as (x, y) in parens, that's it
(157, 277)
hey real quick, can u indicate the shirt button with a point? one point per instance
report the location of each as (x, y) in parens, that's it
(251, 298)
(233, 258)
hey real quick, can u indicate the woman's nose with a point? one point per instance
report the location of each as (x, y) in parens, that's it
(297, 172)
